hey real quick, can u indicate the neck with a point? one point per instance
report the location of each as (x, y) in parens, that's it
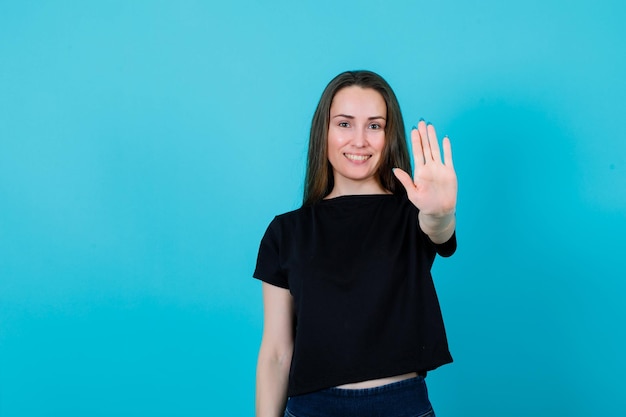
(341, 189)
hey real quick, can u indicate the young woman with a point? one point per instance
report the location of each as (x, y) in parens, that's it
(351, 318)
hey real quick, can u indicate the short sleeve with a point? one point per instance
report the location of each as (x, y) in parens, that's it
(268, 265)
(447, 248)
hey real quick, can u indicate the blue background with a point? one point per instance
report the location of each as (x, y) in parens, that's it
(146, 145)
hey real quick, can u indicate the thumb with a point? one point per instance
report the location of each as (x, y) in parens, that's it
(405, 179)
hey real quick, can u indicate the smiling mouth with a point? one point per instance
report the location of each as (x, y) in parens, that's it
(357, 157)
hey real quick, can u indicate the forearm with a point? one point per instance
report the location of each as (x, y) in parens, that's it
(271, 382)
(439, 228)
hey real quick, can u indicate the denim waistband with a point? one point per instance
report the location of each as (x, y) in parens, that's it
(408, 397)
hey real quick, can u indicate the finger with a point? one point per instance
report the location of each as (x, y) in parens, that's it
(418, 150)
(405, 179)
(447, 152)
(423, 130)
(434, 143)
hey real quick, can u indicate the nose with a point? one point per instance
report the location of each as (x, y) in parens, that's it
(360, 138)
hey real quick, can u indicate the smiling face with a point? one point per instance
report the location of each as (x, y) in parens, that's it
(356, 139)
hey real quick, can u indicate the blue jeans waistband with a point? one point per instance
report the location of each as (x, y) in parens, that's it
(406, 398)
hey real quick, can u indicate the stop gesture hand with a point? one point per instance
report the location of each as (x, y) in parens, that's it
(433, 188)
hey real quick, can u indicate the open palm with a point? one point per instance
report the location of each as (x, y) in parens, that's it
(433, 188)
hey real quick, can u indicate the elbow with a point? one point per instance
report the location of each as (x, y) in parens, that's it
(276, 355)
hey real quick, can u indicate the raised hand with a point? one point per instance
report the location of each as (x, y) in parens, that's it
(433, 188)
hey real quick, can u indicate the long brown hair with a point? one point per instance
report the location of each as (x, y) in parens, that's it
(319, 180)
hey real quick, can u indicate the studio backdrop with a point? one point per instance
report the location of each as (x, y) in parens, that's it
(146, 145)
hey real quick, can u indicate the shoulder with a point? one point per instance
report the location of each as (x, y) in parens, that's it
(293, 215)
(288, 220)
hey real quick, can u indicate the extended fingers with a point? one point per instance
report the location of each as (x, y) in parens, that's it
(418, 149)
(447, 152)
(424, 140)
(433, 143)
(422, 129)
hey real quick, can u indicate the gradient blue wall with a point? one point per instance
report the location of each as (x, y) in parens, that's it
(145, 146)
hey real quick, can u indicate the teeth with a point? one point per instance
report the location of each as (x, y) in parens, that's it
(357, 157)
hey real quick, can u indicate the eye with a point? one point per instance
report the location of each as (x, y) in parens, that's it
(375, 126)
(343, 124)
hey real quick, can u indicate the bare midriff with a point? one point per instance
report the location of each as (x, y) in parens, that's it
(378, 382)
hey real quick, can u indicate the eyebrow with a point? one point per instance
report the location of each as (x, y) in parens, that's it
(347, 116)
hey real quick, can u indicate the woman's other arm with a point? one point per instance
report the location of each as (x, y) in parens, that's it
(275, 353)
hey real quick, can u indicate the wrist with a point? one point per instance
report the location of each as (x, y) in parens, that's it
(438, 227)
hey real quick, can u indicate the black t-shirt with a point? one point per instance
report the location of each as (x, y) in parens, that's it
(358, 268)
